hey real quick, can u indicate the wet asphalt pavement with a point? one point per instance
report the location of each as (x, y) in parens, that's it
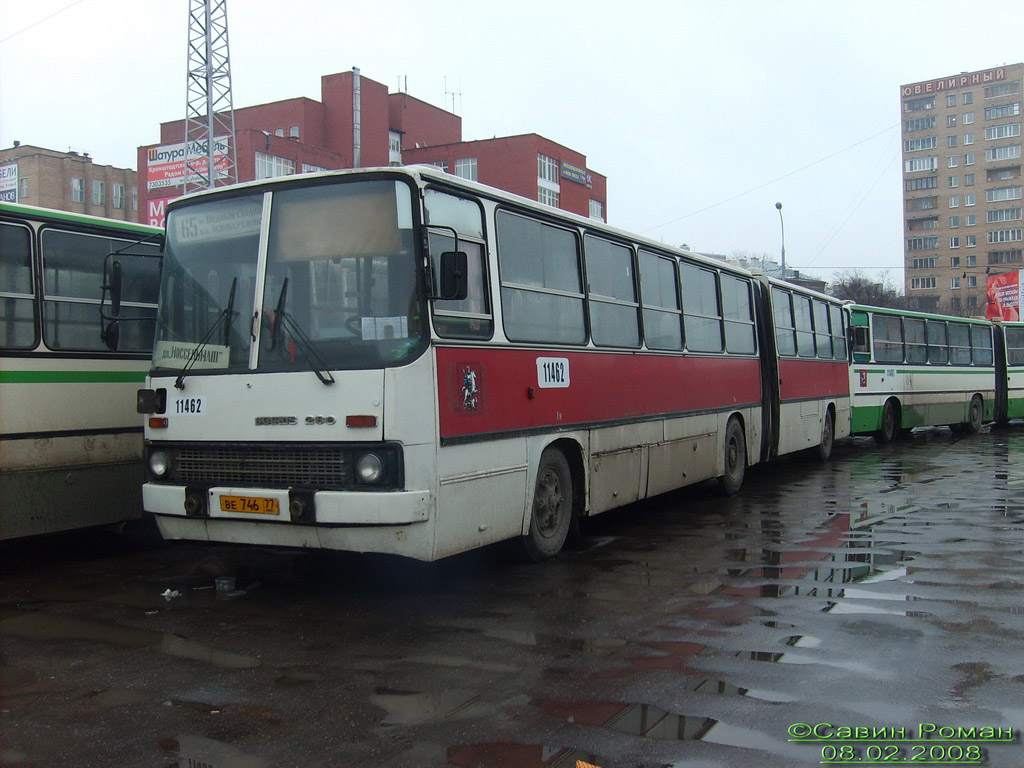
(882, 590)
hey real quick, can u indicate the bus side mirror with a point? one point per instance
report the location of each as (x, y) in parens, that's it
(111, 335)
(115, 288)
(454, 277)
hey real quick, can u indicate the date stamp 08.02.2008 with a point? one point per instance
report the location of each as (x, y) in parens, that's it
(922, 744)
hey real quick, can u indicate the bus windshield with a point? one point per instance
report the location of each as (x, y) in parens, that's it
(336, 288)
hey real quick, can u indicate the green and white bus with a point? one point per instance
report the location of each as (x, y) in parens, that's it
(70, 438)
(914, 369)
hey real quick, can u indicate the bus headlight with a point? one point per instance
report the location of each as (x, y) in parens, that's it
(159, 463)
(369, 468)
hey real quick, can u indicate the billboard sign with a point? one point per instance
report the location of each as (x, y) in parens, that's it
(9, 183)
(1003, 296)
(168, 165)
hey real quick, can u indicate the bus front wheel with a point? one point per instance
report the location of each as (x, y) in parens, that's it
(552, 512)
(735, 458)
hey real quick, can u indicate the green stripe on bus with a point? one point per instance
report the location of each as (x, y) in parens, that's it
(71, 377)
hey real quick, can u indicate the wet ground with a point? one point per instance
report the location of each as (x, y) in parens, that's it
(883, 590)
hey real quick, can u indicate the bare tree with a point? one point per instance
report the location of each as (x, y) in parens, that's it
(855, 285)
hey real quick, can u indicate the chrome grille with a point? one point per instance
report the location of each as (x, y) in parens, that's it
(264, 465)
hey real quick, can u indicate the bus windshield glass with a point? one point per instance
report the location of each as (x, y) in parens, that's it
(336, 289)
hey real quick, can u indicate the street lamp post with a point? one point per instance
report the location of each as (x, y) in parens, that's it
(782, 223)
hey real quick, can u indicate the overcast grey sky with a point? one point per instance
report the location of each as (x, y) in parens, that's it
(702, 113)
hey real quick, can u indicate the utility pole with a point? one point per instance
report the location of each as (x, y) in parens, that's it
(209, 113)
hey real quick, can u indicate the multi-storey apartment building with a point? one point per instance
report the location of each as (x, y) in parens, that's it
(961, 186)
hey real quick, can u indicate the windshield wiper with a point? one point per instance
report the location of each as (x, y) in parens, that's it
(284, 321)
(225, 316)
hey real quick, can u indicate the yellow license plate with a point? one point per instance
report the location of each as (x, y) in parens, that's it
(257, 505)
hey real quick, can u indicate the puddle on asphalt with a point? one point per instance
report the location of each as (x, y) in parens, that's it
(48, 626)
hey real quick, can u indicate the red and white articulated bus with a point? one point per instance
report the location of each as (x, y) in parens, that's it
(397, 360)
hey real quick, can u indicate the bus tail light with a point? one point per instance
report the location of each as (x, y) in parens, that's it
(158, 422)
(360, 420)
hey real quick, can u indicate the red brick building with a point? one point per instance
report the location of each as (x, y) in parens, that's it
(302, 135)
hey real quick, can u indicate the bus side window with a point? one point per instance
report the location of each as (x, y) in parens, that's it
(860, 342)
(17, 302)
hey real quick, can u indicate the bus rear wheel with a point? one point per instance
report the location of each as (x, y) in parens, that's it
(890, 423)
(975, 414)
(552, 512)
(828, 435)
(735, 458)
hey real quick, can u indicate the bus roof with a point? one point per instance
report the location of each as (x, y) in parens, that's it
(912, 313)
(432, 174)
(49, 214)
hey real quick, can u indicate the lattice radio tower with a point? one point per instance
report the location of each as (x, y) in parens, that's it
(209, 114)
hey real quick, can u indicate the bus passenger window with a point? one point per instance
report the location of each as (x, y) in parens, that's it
(611, 293)
(888, 338)
(17, 315)
(785, 326)
(702, 321)
(938, 350)
(660, 291)
(917, 352)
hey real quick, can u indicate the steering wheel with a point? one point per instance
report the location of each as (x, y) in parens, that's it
(355, 324)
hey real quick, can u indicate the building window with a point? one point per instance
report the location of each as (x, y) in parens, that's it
(279, 132)
(442, 164)
(968, 179)
(954, 242)
(970, 220)
(972, 260)
(954, 283)
(954, 222)
(547, 168)
(971, 281)
(922, 164)
(925, 182)
(951, 141)
(1004, 235)
(310, 168)
(922, 204)
(135, 199)
(969, 158)
(597, 210)
(970, 241)
(954, 261)
(117, 196)
(919, 124)
(916, 145)
(951, 100)
(465, 168)
(972, 302)
(1004, 131)
(1002, 193)
(547, 196)
(968, 118)
(921, 283)
(294, 131)
(78, 190)
(99, 193)
(922, 244)
(1002, 89)
(970, 198)
(950, 121)
(954, 201)
(394, 147)
(969, 97)
(1002, 110)
(1003, 214)
(952, 161)
(1007, 152)
(927, 262)
(1012, 256)
(955, 302)
(22, 187)
(954, 181)
(916, 105)
(272, 166)
(968, 138)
